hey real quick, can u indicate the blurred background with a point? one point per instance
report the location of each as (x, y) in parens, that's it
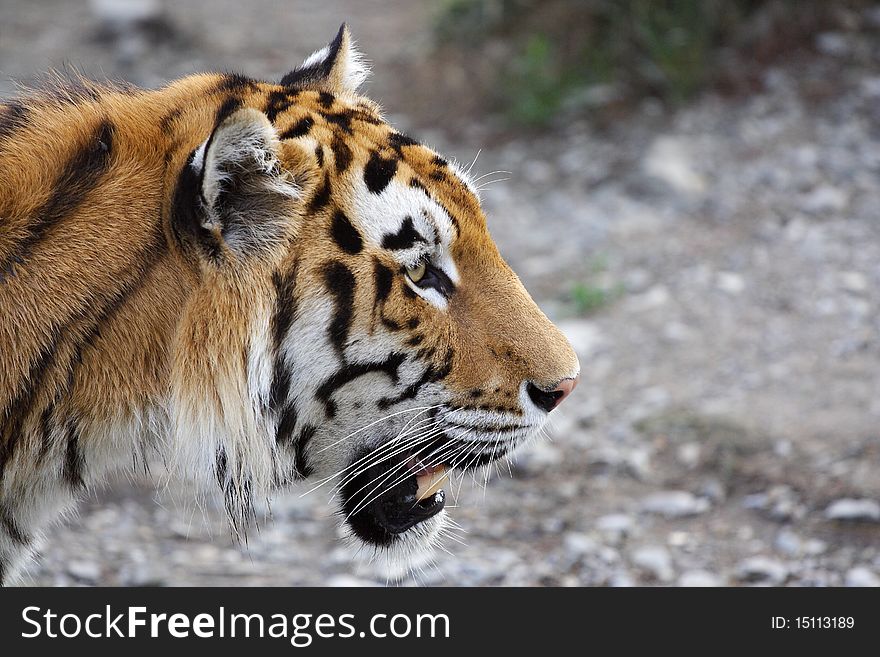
(688, 187)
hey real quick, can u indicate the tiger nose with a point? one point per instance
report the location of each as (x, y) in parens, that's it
(547, 400)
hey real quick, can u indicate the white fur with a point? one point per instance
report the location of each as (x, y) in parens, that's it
(351, 64)
(246, 136)
(377, 215)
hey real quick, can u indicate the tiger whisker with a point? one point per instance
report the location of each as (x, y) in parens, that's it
(491, 182)
(373, 495)
(471, 165)
(383, 476)
(385, 451)
(358, 463)
(375, 422)
(491, 173)
(386, 455)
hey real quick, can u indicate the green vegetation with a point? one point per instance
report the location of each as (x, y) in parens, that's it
(570, 55)
(589, 296)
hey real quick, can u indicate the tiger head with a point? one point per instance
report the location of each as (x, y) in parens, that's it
(386, 340)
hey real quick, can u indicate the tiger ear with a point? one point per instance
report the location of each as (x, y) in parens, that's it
(336, 68)
(248, 198)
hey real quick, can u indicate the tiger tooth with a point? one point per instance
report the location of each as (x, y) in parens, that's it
(430, 482)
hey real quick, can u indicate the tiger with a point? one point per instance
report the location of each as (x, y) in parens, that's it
(259, 284)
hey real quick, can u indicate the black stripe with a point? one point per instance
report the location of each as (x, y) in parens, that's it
(13, 116)
(16, 412)
(340, 282)
(379, 172)
(46, 426)
(285, 305)
(303, 469)
(345, 234)
(405, 238)
(235, 82)
(236, 489)
(431, 374)
(168, 120)
(319, 155)
(341, 119)
(342, 155)
(188, 211)
(397, 140)
(7, 522)
(383, 278)
(326, 99)
(73, 459)
(277, 102)
(81, 174)
(321, 197)
(282, 320)
(286, 425)
(299, 129)
(415, 183)
(220, 467)
(352, 371)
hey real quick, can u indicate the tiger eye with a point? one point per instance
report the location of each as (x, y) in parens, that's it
(416, 273)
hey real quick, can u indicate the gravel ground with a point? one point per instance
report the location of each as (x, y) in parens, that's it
(725, 428)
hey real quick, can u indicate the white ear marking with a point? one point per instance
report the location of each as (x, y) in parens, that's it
(337, 67)
(316, 57)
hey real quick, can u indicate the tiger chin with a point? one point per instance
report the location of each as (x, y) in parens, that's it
(260, 284)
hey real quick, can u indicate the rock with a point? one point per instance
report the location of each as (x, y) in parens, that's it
(789, 543)
(814, 547)
(652, 299)
(779, 503)
(578, 545)
(713, 490)
(861, 576)
(608, 554)
(856, 510)
(678, 332)
(761, 570)
(834, 44)
(637, 280)
(730, 282)
(86, 571)
(655, 561)
(674, 504)
(853, 281)
(615, 526)
(539, 458)
(621, 578)
(824, 200)
(689, 454)
(670, 159)
(701, 578)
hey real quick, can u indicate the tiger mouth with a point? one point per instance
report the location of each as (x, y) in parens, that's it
(396, 494)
